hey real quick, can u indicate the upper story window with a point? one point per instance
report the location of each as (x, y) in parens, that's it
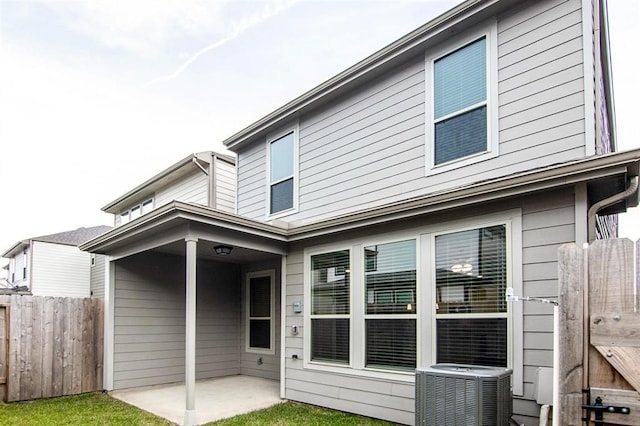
(136, 211)
(461, 116)
(282, 172)
(460, 103)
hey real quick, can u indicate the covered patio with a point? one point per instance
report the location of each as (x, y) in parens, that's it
(193, 293)
(216, 399)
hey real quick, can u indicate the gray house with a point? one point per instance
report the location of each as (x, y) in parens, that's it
(381, 216)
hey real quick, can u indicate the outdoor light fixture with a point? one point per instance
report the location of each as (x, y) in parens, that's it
(223, 250)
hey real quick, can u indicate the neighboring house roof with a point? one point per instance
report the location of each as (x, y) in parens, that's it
(172, 172)
(69, 238)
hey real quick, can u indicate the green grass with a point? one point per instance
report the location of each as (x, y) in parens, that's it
(101, 409)
(293, 413)
(85, 409)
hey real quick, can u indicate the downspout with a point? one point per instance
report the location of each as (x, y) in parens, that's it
(194, 160)
(593, 210)
(213, 201)
(208, 172)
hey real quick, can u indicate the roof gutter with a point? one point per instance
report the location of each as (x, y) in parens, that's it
(508, 186)
(591, 214)
(549, 177)
(16, 248)
(157, 177)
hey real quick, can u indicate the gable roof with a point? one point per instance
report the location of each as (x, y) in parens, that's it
(69, 238)
(460, 17)
(75, 237)
(467, 14)
(172, 172)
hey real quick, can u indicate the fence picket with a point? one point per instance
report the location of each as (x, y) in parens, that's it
(570, 310)
(611, 283)
(47, 347)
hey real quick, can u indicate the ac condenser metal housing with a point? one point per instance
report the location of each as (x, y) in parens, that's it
(456, 394)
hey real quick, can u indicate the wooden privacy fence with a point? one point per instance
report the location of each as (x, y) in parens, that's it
(49, 346)
(599, 330)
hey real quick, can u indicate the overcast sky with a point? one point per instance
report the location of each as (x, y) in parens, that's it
(97, 96)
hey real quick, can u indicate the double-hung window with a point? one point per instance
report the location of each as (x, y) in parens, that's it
(330, 306)
(460, 112)
(471, 312)
(260, 311)
(390, 300)
(282, 151)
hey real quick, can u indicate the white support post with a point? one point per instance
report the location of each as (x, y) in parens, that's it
(190, 333)
(283, 327)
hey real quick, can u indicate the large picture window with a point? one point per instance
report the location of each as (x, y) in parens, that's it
(390, 299)
(330, 307)
(282, 173)
(471, 311)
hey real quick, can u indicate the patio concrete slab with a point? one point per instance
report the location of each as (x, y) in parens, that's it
(216, 399)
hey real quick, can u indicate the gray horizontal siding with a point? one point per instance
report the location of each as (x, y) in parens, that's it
(252, 181)
(225, 186)
(368, 147)
(548, 220)
(192, 188)
(149, 324)
(97, 276)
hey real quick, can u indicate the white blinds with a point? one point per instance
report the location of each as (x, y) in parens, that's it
(330, 288)
(460, 79)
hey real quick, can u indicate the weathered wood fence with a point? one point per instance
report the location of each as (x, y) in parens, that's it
(49, 346)
(599, 329)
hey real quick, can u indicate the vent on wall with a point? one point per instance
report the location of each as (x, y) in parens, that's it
(454, 394)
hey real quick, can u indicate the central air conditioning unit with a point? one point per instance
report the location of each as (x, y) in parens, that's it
(455, 394)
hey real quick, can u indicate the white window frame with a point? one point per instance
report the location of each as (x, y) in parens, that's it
(363, 289)
(326, 365)
(512, 219)
(357, 333)
(489, 31)
(425, 296)
(271, 273)
(272, 138)
(125, 215)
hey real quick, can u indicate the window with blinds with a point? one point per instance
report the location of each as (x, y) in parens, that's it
(281, 173)
(390, 299)
(471, 310)
(330, 310)
(460, 103)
